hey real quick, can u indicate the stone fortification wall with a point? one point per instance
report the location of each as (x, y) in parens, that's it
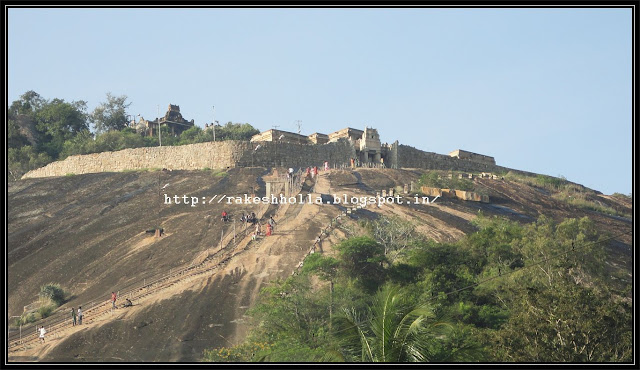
(274, 154)
(228, 154)
(218, 155)
(463, 154)
(195, 156)
(410, 157)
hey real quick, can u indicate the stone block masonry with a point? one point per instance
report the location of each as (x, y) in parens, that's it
(185, 157)
(229, 154)
(214, 155)
(274, 154)
(409, 157)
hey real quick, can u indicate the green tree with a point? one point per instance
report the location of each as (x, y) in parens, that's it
(29, 103)
(235, 131)
(565, 322)
(22, 111)
(361, 258)
(168, 139)
(82, 143)
(15, 138)
(24, 159)
(191, 135)
(118, 140)
(292, 317)
(111, 114)
(395, 330)
(327, 269)
(59, 121)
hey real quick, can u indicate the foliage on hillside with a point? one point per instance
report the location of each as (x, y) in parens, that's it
(41, 131)
(441, 180)
(506, 293)
(574, 194)
(51, 296)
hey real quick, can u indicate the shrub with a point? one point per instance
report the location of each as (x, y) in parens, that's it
(543, 181)
(250, 351)
(622, 196)
(578, 196)
(45, 310)
(52, 292)
(441, 180)
(551, 182)
(31, 317)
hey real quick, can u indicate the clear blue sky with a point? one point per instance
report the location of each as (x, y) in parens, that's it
(542, 90)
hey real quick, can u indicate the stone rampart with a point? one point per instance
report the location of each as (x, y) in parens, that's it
(410, 157)
(214, 155)
(228, 154)
(274, 154)
(194, 156)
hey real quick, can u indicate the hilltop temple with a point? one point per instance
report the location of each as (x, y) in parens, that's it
(172, 119)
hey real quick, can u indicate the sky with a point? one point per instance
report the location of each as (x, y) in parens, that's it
(546, 90)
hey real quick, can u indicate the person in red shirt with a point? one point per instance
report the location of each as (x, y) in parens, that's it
(113, 299)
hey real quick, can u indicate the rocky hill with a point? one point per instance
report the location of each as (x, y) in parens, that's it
(93, 234)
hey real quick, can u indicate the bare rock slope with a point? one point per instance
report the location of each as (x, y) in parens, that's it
(89, 234)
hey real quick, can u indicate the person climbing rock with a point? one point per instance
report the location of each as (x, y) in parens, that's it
(73, 316)
(272, 223)
(42, 333)
(113, 299)
(79, 315)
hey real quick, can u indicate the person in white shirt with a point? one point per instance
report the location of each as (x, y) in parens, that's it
(42, 333)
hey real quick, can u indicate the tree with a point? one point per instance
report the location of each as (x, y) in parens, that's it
(24, 159)
(566, 323)
(327, 269)
(291, 316)
(395, 234)
(362, 258)
(15, 138)
(191, 135)
(395, 330)
(235, 131)
(29, 103)
(59, 121)
(110, 115)
(82, 143)
(21, 115)
(118, 140)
